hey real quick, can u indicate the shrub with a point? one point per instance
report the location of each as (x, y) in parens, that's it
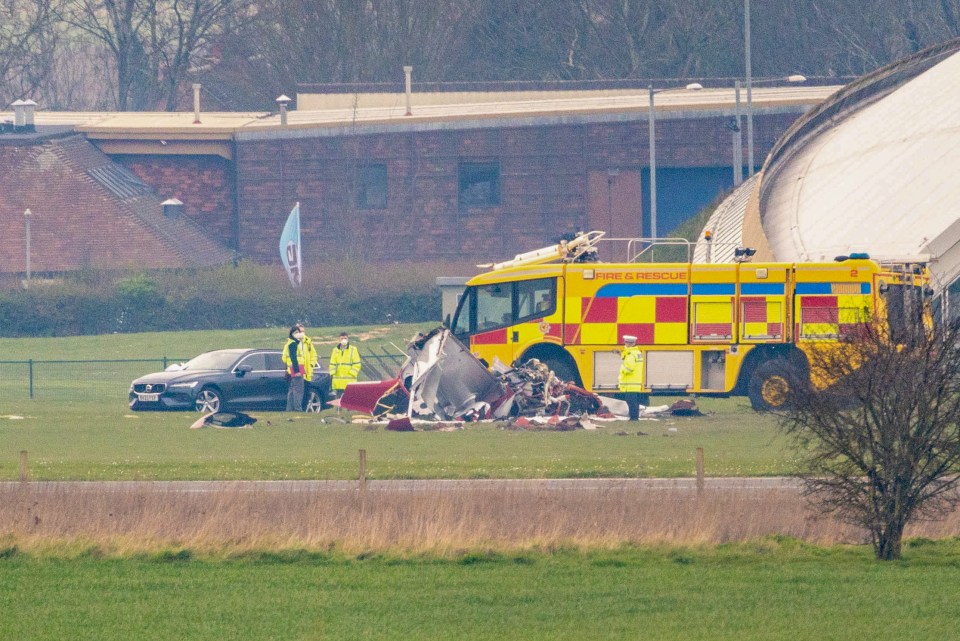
(238, 296)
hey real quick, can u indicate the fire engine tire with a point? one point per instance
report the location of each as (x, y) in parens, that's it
(771, 383)
(563, 370)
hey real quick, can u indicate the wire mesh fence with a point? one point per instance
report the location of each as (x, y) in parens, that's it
(69, 380)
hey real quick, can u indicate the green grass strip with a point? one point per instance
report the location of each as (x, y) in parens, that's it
(766, 590)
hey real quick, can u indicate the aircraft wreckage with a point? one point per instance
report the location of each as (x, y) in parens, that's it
(442, 380)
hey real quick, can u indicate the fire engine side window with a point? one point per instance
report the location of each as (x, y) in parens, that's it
(494, 306)
(461, 321)
(535, 298)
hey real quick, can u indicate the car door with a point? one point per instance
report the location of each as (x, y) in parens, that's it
(276, 374)
(253, 389)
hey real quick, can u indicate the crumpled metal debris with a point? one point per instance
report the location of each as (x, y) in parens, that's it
(442, 380)
(224, 419)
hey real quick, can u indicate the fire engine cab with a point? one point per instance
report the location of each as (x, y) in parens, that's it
(734, 328)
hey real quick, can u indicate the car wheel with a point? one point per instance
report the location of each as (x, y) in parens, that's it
(314, 402)
(208, 401)
(771, 385)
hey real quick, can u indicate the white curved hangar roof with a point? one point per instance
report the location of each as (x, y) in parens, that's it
(873, 169)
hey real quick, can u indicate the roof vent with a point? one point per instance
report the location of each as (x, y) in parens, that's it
(172, 208)
(23, 115)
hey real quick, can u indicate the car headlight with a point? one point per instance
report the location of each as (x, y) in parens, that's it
(189, 385)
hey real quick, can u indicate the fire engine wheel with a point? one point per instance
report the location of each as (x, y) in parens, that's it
(770, 386)
(563, 370)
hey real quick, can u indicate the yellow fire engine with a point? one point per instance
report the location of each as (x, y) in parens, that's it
(735, 328)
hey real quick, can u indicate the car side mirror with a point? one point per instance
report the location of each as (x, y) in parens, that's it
(243, 369)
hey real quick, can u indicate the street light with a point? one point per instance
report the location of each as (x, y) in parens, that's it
(793, 79)
(27, 215)
(652, 133)
(749, 72)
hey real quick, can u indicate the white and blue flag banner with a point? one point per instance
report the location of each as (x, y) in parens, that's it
(290, 249)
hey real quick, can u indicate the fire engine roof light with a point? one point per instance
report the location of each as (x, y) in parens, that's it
(860, 256)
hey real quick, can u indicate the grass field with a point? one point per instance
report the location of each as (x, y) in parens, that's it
(110, 564)
(770, 589)
(92, 440)
(78, 427)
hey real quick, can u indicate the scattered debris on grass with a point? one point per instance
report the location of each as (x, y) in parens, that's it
(441, 381)
(224, 419)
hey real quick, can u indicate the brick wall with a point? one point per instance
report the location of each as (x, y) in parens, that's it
(205, 185)
(544, 177)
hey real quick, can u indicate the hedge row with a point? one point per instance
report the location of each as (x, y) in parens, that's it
(230, 297)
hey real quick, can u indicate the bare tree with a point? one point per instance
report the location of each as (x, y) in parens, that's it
(527, 40)
(645, 38)
(119, 25)
(81, 78)
(882, 443)
(183, 29)
(152, 42)
(276, 44)
(27, 45)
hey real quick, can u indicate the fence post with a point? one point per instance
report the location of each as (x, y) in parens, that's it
(24, 470)
(164, 361)
(363, 470)
(30, 361)
(699, 470)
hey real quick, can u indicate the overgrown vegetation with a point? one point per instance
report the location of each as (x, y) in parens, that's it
(245, 295)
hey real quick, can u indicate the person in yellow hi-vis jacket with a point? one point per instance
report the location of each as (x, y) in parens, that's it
(631, 375)
(344, 364)
(300, 357)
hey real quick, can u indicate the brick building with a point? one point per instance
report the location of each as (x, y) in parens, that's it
(464, 177)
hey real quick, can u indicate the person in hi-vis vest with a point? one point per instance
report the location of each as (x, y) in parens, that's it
(631, 375)
(300, 357)
(344, 364)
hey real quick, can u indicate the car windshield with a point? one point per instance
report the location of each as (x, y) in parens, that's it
(212, 360)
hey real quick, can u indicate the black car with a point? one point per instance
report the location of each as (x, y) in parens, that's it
(226, 379)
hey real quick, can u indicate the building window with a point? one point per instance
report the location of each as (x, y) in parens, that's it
(479, 184)
(372, 186)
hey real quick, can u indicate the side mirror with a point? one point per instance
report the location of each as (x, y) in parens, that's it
(243, 369)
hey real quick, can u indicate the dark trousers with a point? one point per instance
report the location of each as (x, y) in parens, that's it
(633, 403)
(295, 394)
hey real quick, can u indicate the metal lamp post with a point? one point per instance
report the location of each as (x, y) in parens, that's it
(652, 132)
(795, 78)
(27, 215)
(749, 71)
(737, 137)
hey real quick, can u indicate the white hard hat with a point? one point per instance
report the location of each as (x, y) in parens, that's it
(629, 339)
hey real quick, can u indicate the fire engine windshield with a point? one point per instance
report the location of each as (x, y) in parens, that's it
(486, 307)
